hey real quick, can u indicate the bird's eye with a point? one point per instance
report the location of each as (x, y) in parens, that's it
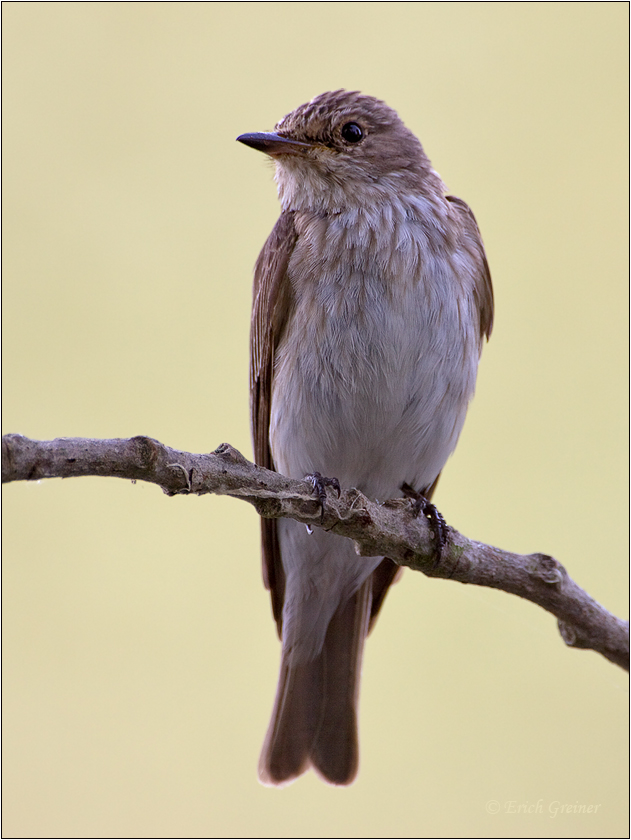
(352, 133)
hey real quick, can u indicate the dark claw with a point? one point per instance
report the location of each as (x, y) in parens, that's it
(431, 512)
(319, 484)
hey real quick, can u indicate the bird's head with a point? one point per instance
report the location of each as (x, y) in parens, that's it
(343, 149)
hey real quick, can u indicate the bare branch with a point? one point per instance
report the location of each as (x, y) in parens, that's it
(389, 529)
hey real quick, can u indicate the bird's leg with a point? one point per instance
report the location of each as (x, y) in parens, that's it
(430, 512)
(319, 484)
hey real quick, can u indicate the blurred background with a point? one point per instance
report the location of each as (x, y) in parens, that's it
(140, 656)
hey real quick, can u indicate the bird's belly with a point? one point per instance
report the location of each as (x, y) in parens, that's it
(374, 396)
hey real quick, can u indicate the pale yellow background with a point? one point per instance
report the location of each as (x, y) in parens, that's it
(139, 653)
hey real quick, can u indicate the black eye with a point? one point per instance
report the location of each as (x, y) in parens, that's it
(352, 133)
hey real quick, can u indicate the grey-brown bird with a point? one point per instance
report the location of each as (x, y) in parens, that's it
(372, 297)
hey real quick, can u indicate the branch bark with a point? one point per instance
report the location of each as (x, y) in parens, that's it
(389, 529)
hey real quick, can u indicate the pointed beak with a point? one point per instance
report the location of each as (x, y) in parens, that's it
(274, 144)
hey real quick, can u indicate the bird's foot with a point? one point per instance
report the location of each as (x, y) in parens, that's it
(430, 512)
(319, 484)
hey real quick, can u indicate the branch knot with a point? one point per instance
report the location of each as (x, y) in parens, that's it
(547, 569)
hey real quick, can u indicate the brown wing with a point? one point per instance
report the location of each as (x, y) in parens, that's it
(484, 288)
(269, 312)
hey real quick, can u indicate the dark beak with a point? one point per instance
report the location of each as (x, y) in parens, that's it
(274, 144)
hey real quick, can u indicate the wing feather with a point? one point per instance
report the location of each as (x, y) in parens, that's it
(483, 287)
(272, 301)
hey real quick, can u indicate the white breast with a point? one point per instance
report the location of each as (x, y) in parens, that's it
(379, 357)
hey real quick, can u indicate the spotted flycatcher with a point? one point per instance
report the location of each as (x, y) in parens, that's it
(372, 297)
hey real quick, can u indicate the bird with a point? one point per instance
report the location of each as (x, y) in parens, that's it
(371, 300)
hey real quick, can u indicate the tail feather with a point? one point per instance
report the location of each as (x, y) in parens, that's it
(287, 746)
(314, 722)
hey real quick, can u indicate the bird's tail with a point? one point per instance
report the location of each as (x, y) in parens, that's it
(314, 722)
